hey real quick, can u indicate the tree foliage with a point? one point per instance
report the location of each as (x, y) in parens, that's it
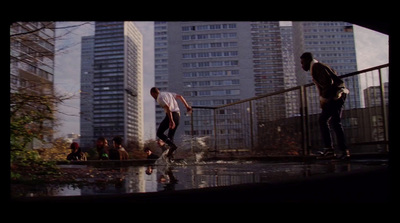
(31, 117)
(59, 150)
(33, 102)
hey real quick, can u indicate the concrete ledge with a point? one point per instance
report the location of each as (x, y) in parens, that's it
(281, 158)
(109, 163)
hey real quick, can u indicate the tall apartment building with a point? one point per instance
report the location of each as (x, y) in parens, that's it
(217, 63)
(373, 96)
(160, 63)
(289, 75)
(332, 43)
(111, 83)
(32, 47)
(268, 70)
(86, 93)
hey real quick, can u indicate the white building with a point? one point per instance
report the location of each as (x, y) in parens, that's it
(112, 82)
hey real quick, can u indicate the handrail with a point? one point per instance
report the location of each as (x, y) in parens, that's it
(356, 72)
(289, 89)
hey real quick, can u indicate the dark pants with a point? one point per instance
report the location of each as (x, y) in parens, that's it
(332, 112)
(164, 125)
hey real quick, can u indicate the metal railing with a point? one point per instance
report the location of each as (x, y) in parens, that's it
(286, 122)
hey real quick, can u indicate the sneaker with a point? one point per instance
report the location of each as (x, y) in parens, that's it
(327, 152)
(345, 155)
(170, 160)
(171, 150)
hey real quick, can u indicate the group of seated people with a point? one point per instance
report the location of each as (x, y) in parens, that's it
(117, 152)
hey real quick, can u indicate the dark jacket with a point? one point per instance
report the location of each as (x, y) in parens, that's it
(76, 156)
(113, 154)
(118, 154)
(152, 156)
(326, 80)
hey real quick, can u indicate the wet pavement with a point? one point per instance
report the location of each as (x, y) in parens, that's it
(218, 180)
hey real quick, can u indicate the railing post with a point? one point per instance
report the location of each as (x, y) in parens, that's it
(251, 126)
(191, 132)
(215, 131)
(304, 120)
(384, 114)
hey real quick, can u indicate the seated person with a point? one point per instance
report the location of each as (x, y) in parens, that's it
(150, 154)
(118, 152)
(76, 153)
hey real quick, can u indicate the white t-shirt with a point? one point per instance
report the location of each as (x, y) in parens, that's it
(168, 98)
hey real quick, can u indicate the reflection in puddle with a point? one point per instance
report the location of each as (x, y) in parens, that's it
(157, 178)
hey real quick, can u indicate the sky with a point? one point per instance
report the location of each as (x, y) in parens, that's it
(372, 49)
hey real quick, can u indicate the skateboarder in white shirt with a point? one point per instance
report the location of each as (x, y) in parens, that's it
(168, 102)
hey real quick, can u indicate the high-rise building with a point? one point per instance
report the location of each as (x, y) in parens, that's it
(332, 43)
(32, 56)
(86, 102)
(217, 63)
(160, 63)
(289, 75)
(32, 48)
(111, 84)
(373, 96)
(268, 72)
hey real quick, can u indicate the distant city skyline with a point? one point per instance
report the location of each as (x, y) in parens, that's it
(371, 49)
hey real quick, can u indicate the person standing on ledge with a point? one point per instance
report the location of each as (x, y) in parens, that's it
(168, 102)
(333, 93)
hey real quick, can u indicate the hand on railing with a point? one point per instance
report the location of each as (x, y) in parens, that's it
(189, 111)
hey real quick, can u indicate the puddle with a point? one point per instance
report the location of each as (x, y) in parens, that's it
(181, 176)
